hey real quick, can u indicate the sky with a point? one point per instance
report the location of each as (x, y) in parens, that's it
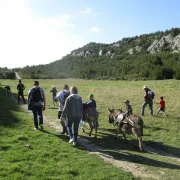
(36, 32)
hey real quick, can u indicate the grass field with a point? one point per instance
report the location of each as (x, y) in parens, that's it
(160, 133)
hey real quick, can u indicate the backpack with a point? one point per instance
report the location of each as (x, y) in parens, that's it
(66, 94)
(36, 95)
(151, 95)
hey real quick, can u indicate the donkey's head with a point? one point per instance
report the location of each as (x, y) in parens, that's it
(113, 115)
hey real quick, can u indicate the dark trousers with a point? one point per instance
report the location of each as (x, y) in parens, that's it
(69, 123)
(62, 122)
(150, 107)
(37, 111)
(22, 95)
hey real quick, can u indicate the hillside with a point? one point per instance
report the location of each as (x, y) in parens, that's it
(148, 56)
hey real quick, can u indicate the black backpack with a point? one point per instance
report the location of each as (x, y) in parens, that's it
(66, 94)
(36, 95)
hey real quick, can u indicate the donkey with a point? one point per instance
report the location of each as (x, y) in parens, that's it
(131, 123)
(90, 116)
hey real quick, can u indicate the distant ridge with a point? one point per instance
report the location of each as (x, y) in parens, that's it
(148, 56)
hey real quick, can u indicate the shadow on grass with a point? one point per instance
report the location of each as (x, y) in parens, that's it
(7, 107)
(108, 146)
(141, 160)
(52, 108)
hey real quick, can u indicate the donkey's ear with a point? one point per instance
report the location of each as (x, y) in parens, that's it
(110, 110)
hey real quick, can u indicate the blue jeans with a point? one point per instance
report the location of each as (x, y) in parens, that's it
(69, 123)
(37, 111)
(150, 107)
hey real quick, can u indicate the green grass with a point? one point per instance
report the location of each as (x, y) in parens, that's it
(159, 132)
(48, 156)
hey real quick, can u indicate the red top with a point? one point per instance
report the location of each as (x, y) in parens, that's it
(162, 103)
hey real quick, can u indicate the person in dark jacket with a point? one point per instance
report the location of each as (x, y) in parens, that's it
(128, 112)
(54, 92)
(92, 102)
(37, 103)
(21, 88)
(73, 110)
(147, 100)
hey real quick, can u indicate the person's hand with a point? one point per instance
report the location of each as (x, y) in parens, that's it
(44, 107)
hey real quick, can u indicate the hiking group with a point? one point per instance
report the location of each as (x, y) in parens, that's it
(72, 110)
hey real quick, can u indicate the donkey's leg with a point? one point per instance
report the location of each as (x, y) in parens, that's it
(91, 128)
(124, 135)
(117, 132)
(137, 133)
(140, 143)
(95, 127)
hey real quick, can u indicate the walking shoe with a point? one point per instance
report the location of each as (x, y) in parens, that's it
(71, 140)
(41, 126)
(35, 128)
(74, 143)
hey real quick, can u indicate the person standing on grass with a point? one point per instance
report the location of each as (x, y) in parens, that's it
(21, 88)
(54, 92)
(161, 106)
(61, 97)
(148, 99)
(73, 110)
(37, 103)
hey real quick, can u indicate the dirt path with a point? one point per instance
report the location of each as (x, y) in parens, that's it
(123, 163)
(17, 76)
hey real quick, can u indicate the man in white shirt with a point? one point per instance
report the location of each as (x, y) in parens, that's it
(61, 97)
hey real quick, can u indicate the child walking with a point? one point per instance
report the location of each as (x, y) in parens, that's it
(161, 106)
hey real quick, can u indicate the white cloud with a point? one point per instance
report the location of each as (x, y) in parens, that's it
(95, 29)
(87, 11)
(27, 39)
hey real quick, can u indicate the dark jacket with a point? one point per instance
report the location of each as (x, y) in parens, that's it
(91, 103)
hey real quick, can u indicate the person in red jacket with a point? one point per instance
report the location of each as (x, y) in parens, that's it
(161, 106)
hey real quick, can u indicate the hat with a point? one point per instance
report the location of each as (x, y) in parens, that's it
(91, 95)
(126, 101)
(145, 87)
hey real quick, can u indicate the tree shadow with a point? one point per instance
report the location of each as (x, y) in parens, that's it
(7, 107)
(141, 160)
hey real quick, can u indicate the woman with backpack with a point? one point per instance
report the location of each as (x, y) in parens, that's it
(148, 99)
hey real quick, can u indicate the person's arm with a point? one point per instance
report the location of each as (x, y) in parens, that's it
(44, 97)
(23, 87)
(18, 87)
(65, 108)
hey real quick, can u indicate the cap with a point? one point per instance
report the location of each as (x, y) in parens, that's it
(91, 95)
(145, 87)
(126, 101)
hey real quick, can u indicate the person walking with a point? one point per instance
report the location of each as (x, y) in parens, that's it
(37, 103)
(73, 110)
(21, 88)
(61, 97)
(54, 92)
(148, 99)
